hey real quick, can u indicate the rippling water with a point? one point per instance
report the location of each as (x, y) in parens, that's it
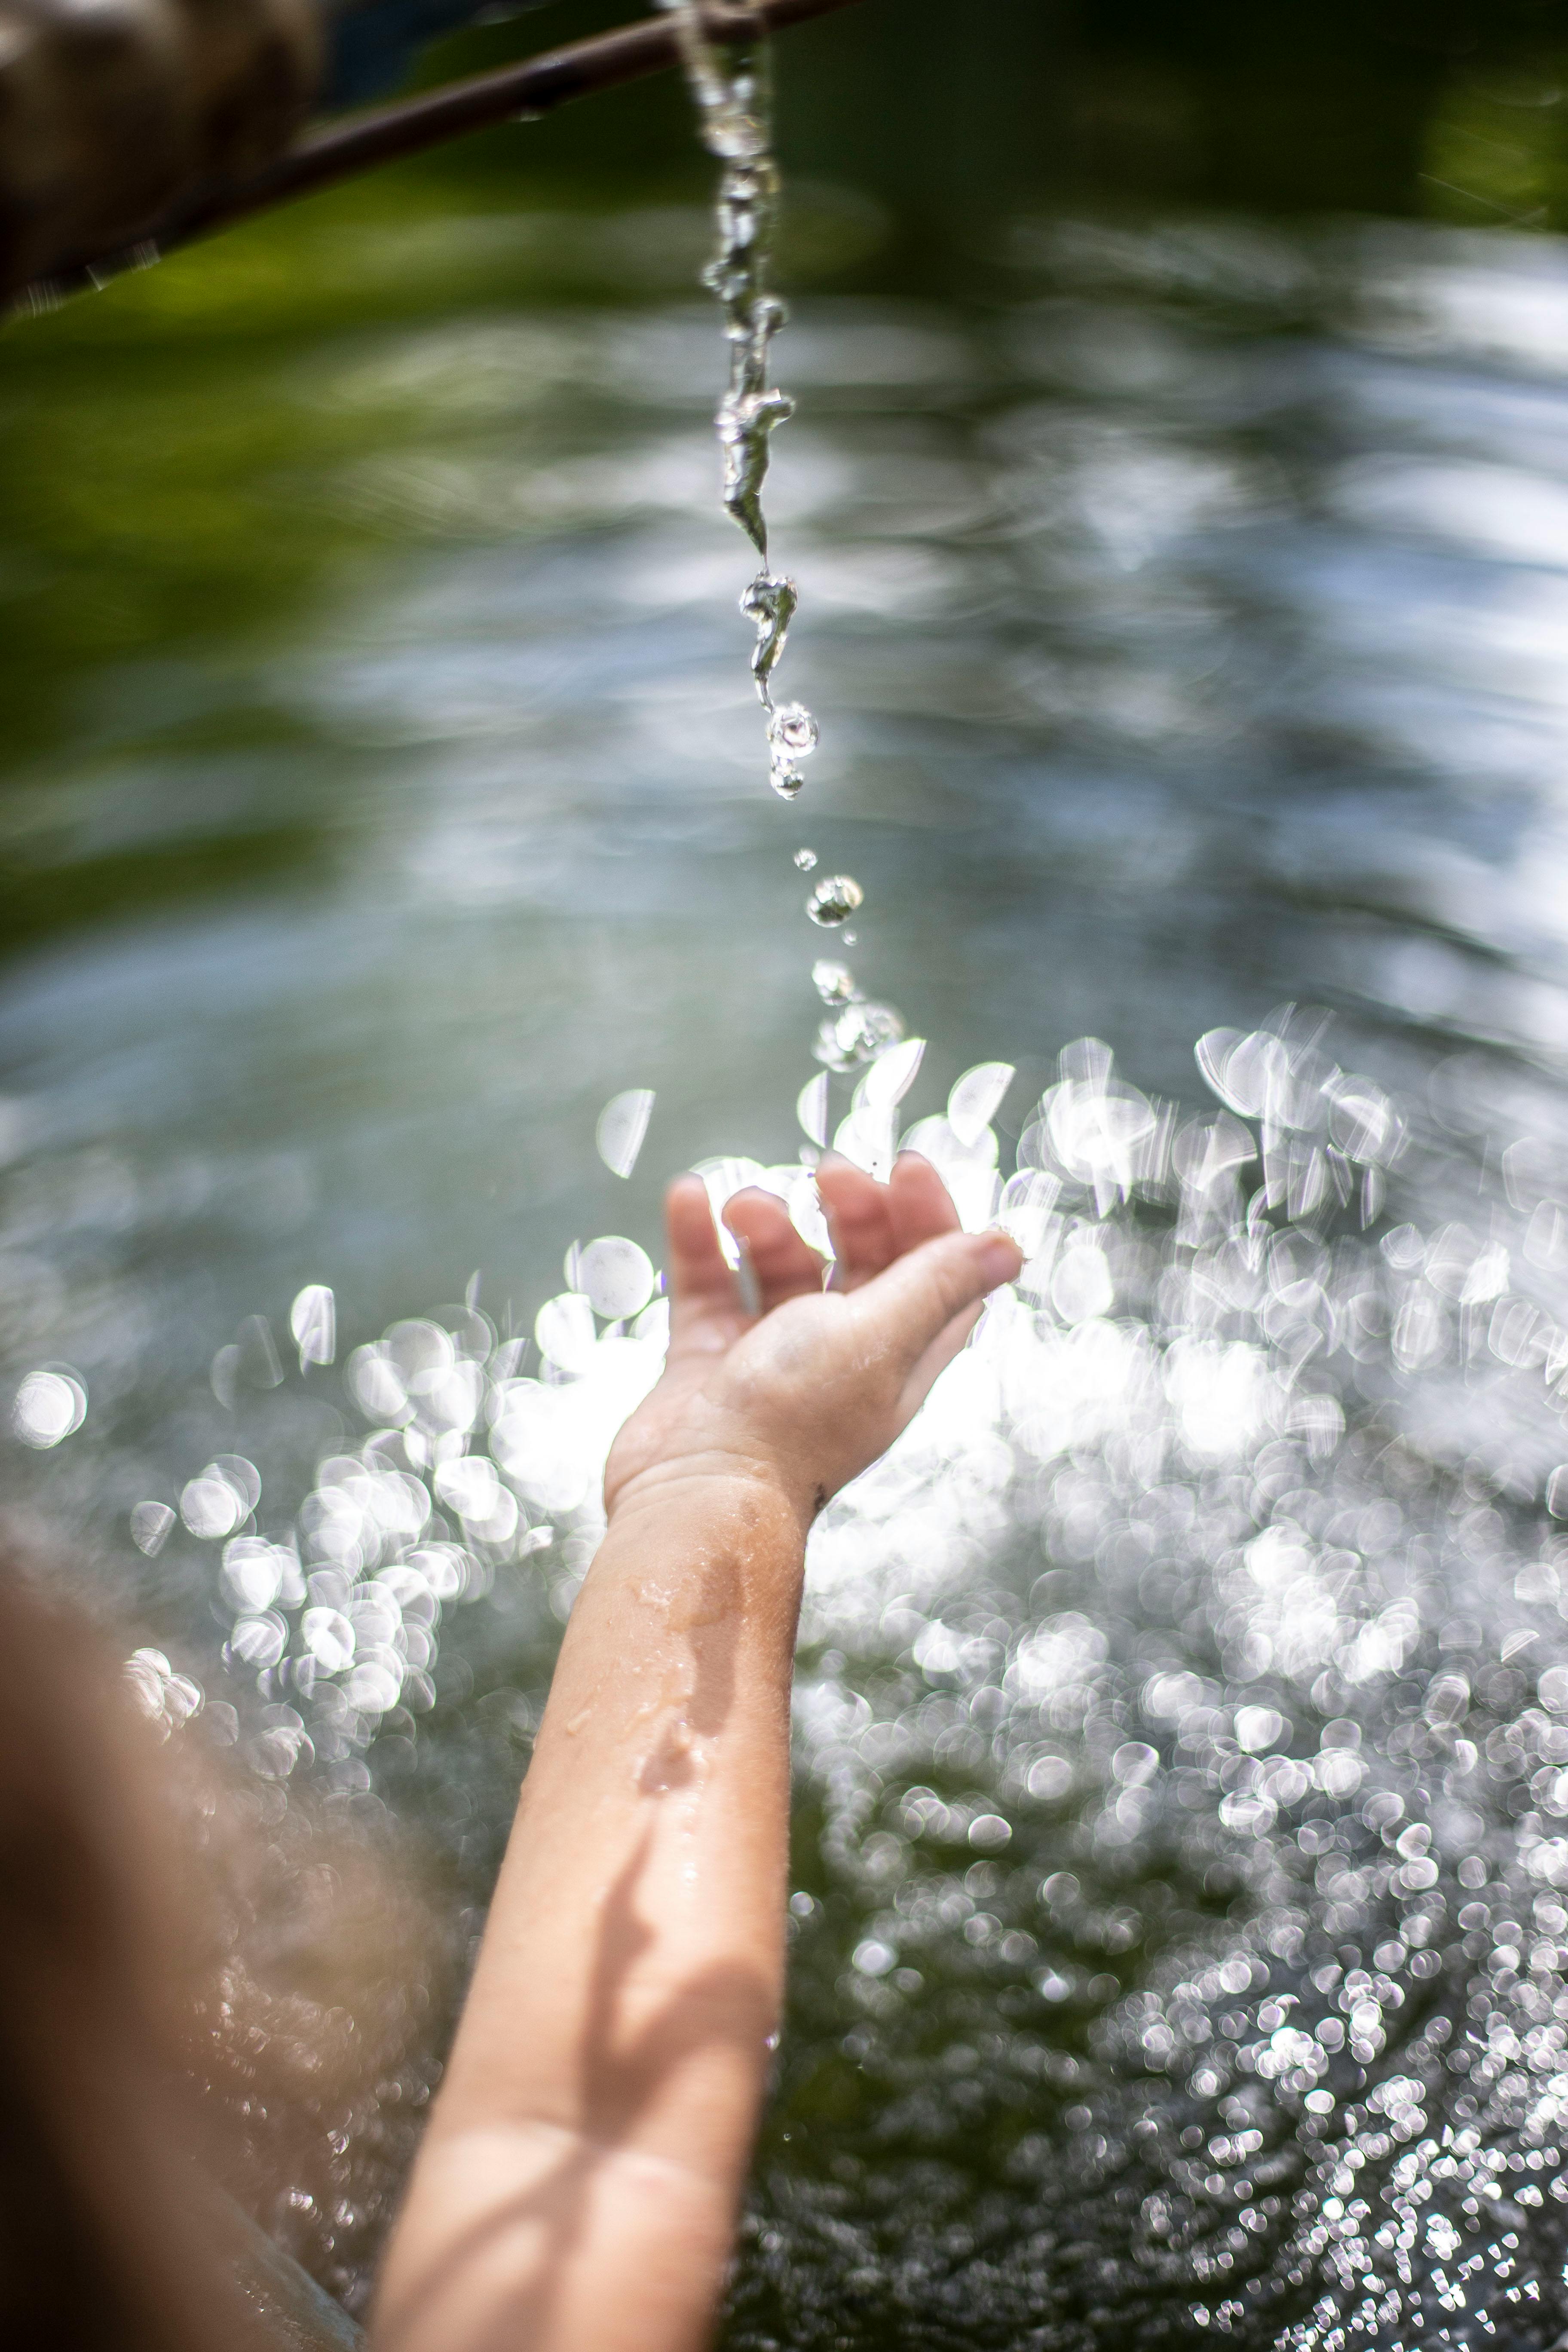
(1184, 1714)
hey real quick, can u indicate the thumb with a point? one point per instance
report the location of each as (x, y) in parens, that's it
(913, 1301)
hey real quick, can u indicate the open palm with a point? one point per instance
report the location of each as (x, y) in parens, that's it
(805, 1389)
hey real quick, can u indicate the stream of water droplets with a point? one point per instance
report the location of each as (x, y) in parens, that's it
(730, 85)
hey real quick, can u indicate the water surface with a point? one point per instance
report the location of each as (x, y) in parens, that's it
(1184, 599)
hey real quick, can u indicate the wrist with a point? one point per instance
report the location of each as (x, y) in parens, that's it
(714, 1489)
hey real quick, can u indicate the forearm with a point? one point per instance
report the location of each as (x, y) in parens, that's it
(579, 2180)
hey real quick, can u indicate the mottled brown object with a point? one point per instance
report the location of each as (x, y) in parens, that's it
(102, 2239)
(110, 109)
(206, 1986)
(214, 199)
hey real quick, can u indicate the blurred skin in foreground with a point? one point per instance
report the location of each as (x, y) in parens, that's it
(577, 2187)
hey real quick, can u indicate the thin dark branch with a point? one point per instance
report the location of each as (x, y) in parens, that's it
(382, 136)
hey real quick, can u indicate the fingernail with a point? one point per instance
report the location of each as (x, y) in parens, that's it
(1000, 1257)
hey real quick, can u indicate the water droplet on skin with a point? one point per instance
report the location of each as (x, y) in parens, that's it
(833, 900)
(805, 859)
(834, 982)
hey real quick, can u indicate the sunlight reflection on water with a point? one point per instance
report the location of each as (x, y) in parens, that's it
(1181, 1921)
(1210, 1602)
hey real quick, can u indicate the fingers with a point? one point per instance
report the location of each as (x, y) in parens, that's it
(920, 1204)
(874, 1223)
(699, 1278)
(873, 1226)
(859, 1217)
(914, 1306)
(782, 1263)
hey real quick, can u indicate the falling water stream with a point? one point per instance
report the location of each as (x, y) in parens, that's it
(731, 85)
(1179, 1898)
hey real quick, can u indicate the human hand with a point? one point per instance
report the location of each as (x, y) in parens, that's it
(804, 1392)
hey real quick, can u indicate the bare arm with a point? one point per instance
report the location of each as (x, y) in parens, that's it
(577, 2188)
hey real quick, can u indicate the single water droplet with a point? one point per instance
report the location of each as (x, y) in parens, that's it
(834, 982)
(793, 731)
(805, 859)
(786, 781)
(622, 1125)
(811, 1107)
(849, 1038)
(835, 899)
(850, 939)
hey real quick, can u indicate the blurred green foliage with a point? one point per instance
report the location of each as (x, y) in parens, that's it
(171, 494)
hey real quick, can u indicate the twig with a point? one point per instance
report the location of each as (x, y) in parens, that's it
(536, 87)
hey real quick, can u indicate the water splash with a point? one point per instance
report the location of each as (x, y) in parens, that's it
(1184, 1701)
